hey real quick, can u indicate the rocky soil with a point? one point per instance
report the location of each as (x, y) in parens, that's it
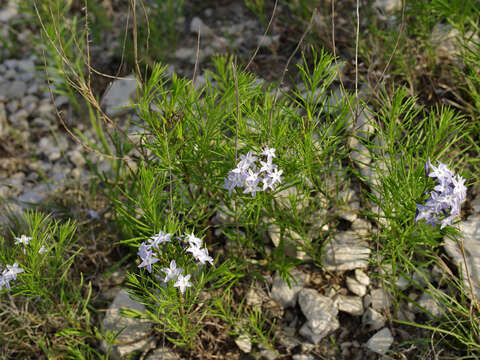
(39, 158)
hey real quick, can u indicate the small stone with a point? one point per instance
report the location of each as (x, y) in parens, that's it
(46, 110)
(361, 277)
(476, 203)
(9, 12)
(470, 230)
(381, 341)
(31, 197)
(25, 65)
(388, 6)
(77, 158)
(255, 298)
(373, 320)
(379, 299)
(12, 106)
(321, 314)
(135, 329)
(402, 283)
(361, 226)
(163, 353)
(303, 357)
(268, 354)
(346, 252)
(283, 294)
(360, 153)
(431, 305)
(185, 54)
(16, 90)
(20, 116)
(198, 25)
(243, 342)
(268, 41)
(355, 287)
(349, 304)
(119, 95)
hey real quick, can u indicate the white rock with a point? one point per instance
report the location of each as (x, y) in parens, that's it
(283, 294)
(381, 341)
(388, 6)
(363, 126)
(431, 305)
(198, 25)
(303, 357)
(15, 89)
(163, 353)
(476, 203)
(243, 342)
(135, 329)
(77, 158)
(361, 277)
(355, 287)
(290, 239)
(359, 152)
(470, 229)
(321, 315)
(378, 299)
(372, 320)
(402, 283)
(119, 95)
(346, 252)
(9, 12)
(185, 53)
(268, 41)
(349, 304)
(361, 226)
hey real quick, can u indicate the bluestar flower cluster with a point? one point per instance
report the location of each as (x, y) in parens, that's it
(249, 173)
(146, 253)
(8, 274)
(449, 193)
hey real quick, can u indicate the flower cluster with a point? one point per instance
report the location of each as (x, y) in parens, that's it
(249, 173)
(446, 198)
(146, 253)
(9, 274)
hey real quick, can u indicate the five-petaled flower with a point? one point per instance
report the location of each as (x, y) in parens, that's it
(24, 239)
(172, 272)
(183, 282)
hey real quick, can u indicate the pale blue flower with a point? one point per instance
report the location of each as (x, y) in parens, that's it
(183, 282)
(172, 272)
(449, 193)
(159, 238)
(23, 240)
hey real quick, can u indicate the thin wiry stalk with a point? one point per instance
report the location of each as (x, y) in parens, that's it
(264, 35)
(234, 68)
(134, 35)
(275, 97)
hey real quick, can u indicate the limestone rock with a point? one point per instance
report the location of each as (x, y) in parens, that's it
(135, 329)
(119, 95)
(470, 230)
(321, 314)
(381, 341)
(346, 252)
(283, 294)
